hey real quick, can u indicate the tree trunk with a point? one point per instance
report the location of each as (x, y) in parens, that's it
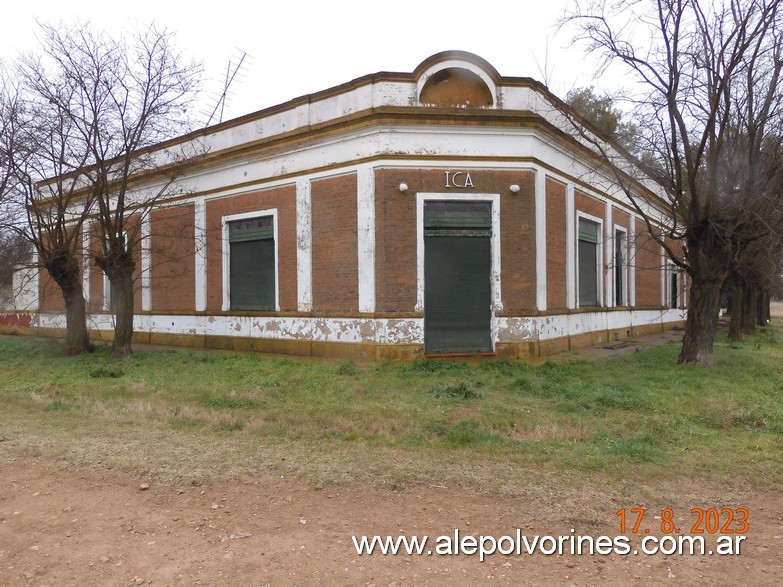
(64, 269)
(702, 321)
(122, 289)
(119, 267)
(749, 310)
(735, 323)
(763, 308)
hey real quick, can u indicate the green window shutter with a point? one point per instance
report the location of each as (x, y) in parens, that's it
(588, 231)
(588, 262)
(458, 214)
(251, 229)
(457, 295)
(252, 264)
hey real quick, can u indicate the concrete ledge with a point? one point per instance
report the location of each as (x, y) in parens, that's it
(28, 324)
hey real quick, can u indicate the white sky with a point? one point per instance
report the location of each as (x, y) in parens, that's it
(303, 46)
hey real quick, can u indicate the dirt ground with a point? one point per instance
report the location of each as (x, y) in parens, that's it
(88, 527)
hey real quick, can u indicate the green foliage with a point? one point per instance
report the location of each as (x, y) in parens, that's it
(107, 373)
(460, 391)
(435, 367)
(347, 368)
(600, 111)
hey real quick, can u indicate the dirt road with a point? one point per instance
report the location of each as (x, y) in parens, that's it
(86, 527)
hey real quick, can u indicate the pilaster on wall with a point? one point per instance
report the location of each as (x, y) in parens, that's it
(632, 260)
(86, 229)
(304, 246)
(663, 276)
(365, 207)
(200, 231)
(609, 300)
(540, 240)
(570, 229)
(146, 289)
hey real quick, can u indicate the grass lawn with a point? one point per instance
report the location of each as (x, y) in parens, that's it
(495, 426)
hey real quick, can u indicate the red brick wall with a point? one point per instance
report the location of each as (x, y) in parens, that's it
(173, 259)
(335, 244)
(647, 263)
(589, 205)
(396, 230)
(395, 240)
(518, 240)
(50, 294)
(282, 198)
(555, 244)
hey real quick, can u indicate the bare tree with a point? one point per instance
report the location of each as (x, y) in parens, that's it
(709, 119)
(37, 142)
(101, 108)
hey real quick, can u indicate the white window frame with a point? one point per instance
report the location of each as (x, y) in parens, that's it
(226, 253)
(624, 231)
(494, 270)
(674, 271)
(599, 261)
(494, 200)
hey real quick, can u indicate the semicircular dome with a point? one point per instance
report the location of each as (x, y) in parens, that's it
(455, 86)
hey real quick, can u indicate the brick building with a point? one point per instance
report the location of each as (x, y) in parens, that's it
(444, 211)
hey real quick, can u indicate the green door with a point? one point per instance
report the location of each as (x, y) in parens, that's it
(457, 291)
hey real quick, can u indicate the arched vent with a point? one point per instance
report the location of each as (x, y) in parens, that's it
(455, 86)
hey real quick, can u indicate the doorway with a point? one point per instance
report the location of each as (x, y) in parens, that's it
(457, 284)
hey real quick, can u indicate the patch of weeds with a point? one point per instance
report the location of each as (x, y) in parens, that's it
(561, 372)
(57, 405)
(731, 417)
(232, 426)
(211, 358)
(470, 432)
(619, 399)
(341, 435)
(764, 337)
(506, 367)
(222, 402)
(268, 383)
(435, 366)
(186, 423)
(642, 448)
(347, 368)
(158, 356)
(522, 384)
(435, 428)
(460, 391)
(103, 372)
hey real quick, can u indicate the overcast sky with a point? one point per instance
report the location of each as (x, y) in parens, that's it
(303, 46)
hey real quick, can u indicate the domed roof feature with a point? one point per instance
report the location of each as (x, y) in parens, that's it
(456, 78)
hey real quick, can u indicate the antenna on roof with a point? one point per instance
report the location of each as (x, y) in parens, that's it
(234, 70)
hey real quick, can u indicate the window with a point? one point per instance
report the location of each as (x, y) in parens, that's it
(620, 248)
(674, 287)
(588, 259)
(252, 272)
